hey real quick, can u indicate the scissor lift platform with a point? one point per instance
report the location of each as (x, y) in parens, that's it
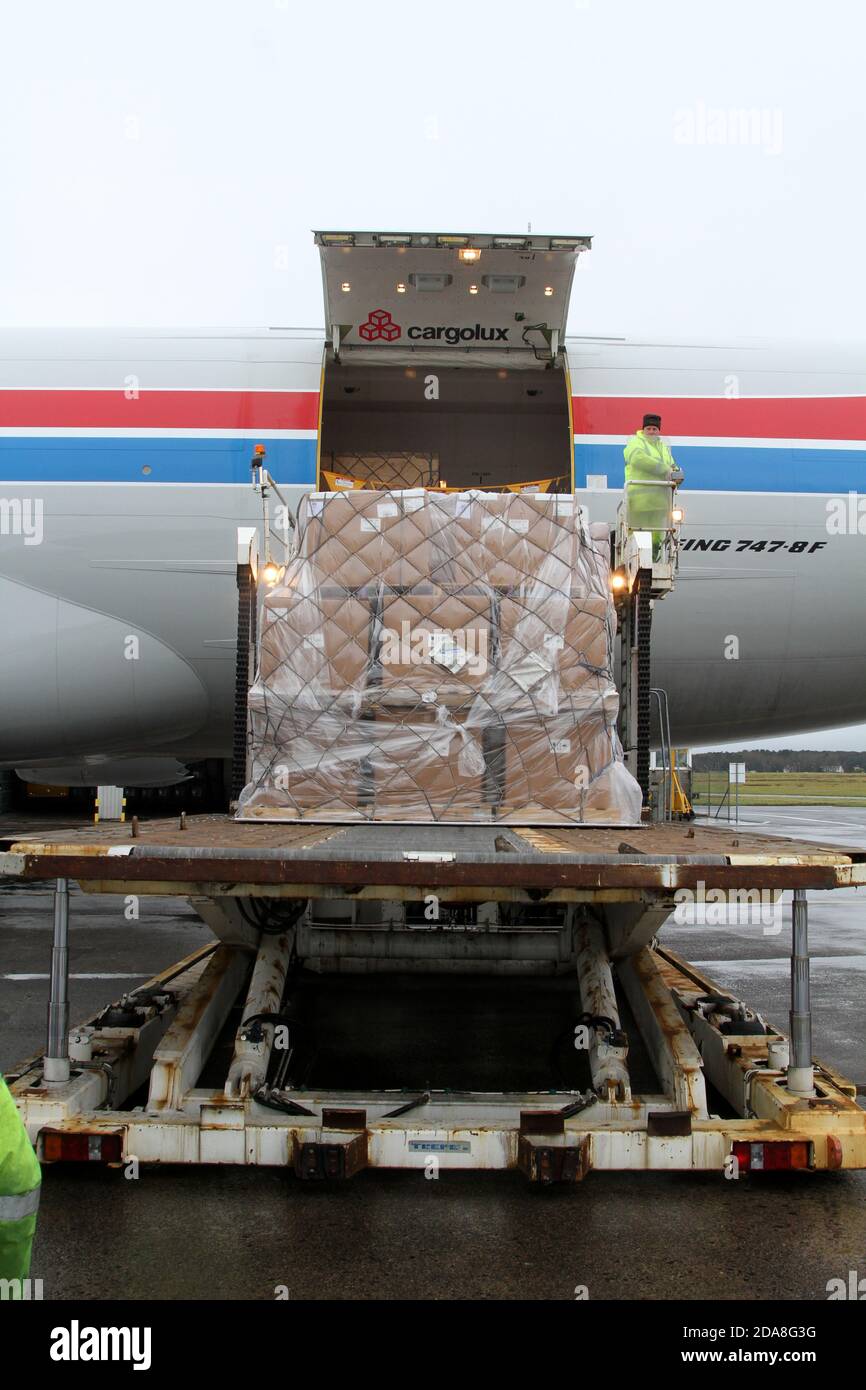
(203, 1064)
(460, 861)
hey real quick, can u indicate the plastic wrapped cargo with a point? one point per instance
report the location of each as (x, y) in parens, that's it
(440, 657)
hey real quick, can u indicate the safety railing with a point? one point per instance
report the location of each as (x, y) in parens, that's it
(650, 504)
(647, 531)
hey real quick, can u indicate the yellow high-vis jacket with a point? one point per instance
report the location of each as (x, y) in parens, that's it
(647, 459)
(20, 1179)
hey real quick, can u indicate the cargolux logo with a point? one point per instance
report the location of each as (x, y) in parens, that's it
(380, 325)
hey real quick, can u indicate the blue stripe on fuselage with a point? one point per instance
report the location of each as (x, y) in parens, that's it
(61, 459)
(740, 468)
(711, 467)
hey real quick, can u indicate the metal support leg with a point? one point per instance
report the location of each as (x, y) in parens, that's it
(608, 1051)
(801, 1080)
(253, 1043)
(57, 1051)
(188, 1043)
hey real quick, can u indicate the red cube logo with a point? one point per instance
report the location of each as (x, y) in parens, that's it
(380, 325)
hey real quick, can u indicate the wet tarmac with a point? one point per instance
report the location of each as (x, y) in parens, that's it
(752, 957)
(242, 1234)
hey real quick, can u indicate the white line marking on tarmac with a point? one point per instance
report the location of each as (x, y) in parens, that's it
(820, 825)
(763, 965)
(99, 975)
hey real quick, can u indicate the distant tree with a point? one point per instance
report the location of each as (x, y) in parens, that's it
(793, 760)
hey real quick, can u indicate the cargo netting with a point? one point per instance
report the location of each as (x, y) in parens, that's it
(378, 470)
(437, 656)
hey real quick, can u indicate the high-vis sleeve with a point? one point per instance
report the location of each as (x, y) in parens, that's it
(20, 1178)
(19, 1167)
(643, 461)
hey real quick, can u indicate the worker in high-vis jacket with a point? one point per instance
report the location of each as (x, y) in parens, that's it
(20, 1178)
(649, 460)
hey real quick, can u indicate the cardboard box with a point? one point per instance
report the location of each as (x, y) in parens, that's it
(434, 646)
(305, 762)
(559, 767)
(346, 537)
(316, 649)
(426, 770)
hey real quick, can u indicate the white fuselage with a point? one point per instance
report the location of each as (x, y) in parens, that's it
(125, 463)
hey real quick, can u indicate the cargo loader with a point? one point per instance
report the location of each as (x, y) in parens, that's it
(241, 1053)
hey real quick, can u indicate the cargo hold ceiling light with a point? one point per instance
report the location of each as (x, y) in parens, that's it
(473, 289)
(469, 255)
(503, 284)
(548, 290)
(401, 288)
(427, 282)
(345, 287)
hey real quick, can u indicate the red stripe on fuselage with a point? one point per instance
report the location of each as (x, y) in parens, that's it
(813, 417)
(206, 410)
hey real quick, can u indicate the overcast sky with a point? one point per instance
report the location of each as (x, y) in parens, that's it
(163, 163)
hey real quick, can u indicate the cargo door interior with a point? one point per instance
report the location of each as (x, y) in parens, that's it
(445, 364)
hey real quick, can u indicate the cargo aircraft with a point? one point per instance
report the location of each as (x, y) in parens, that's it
(125, 471)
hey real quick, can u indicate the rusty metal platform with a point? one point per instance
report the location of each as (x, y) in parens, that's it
(221, 856)
(651, 1020)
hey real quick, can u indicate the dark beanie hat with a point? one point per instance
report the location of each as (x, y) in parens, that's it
(652, 420)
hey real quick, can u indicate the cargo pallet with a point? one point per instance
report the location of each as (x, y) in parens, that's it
(731, 1093)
